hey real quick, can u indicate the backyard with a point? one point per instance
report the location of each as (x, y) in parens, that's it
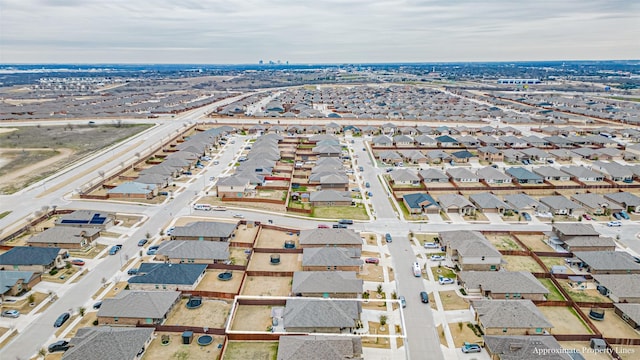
(565, 320)
(258, 350)
(212, 314)
(520, 263)
(252, 318)
(176, 350)
(267, 286)
(503, 241)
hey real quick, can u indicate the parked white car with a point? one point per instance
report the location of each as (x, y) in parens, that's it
(445, 281)
(436, 258)
(431, 245)
(614, 223)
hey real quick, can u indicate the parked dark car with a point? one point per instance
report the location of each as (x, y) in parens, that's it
(617, 216)
(114, 249)
(61, 319)
(97, 305)
(387, 237)
(424, 297)
(345, 222)
(132, 271)
(526, 216)
(142, 242)
(60, 345)
(152, 250)
(339, 226)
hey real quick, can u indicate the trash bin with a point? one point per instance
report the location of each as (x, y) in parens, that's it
(187, 337)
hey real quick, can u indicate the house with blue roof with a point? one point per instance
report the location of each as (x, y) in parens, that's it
(163, 276)
(14, 283)
(446, 140)
(87, 218)
(28, 258)
(133, 190)
(524, 176)
(418, 203)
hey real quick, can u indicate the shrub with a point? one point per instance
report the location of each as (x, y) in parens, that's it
(53, 272)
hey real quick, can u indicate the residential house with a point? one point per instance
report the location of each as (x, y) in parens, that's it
(405, 177)
(607, 262)
(330, 198)
(462, 156)
(462, 175)
(467, 141)
(321, 316)
(324, 347)
(402, 141)
(331, 259)
(596, 203)
(390, 157)
(470, 250)
(620, 288)
(130, 308)
(110, 342)
(233, 186)
(382, 141)
(447, 141)
(551, 174)
(507, 285)
(37, 259)
(525, 203)
(327, 284)
(488, 202)
(582, 174)
(87, 218)
(490, 141)
(193, 252)
(433, 176)
(454, 203)
(65, 237)
(14, 283)
(163, 276)
(205, 230)
(630, 313)
(526, 347)
(630, 202)
(510, 317)
(524, 176)
(437, 156)
(514, 142)
(535, 154)
(311, 238)
(327, 151)
(425, 141)
(613, 171)
(133, 190)
(490, 154)
(562, 154)
(493, 176)
(513, 156)
(413, 156)
(560, 205)
(418, 203)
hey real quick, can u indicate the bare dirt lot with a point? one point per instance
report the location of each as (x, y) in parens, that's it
(212, 314)
(503, 241)
(521, 263)
(267, 286)
(534, 242)
(613, 326)
(210, 282)
(262, 262)
(245, 234)
(564, 320)
(252, 318)
(273, 239)
(176, 350)
(243, 350)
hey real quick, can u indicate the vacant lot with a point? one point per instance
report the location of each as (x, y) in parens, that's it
(521, 263)
(564, 320)
(267, 286)
(212, 314)
(258, 350)
(245, 234)
(613, 326)
(176, 350)
(252, 318)
(340, 212)
(262, 262)
(210, 282)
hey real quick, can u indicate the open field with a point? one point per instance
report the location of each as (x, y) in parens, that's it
(212, 314)
(259, 350)
(267, 286)
(176, 350)
(564, 320)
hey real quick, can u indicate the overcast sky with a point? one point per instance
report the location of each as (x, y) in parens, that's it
(316, 31)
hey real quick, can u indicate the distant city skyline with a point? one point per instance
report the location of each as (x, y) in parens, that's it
(319, 31)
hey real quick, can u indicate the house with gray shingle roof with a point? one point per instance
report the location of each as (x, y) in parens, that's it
(630, 202)
(560, 205)
(193, 252)
(536, 154)
(129, 307)
(551, 174)
(330, 198)
(508, 285)
(596, 203)
(488, 202)
(510, 317)
(66, 237)
(470, 250)
(205, 230)
(321, 315)
(331, 259)
(405, 177)
(607, 262)
(424, 140)
(234, 186)
(390, 157)
(519, 347)
(382, 140)
(106, 342)
(613, 171)
(582, 174)
(620, 288)
(630, 313)
(493, 176)
(490, 153)
(524, 202)
(315, 347)
(453, 203)
(330, 237)
(333, 284)
(402, 141)
(462, 175)
(433, 176)
(161, 276)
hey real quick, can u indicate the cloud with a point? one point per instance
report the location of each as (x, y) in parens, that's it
(215, 31)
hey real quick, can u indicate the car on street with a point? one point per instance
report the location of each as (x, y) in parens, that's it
(436, 258)
(339, 226)
(97, 305)
(238, 216)
(77, 262)
(367, 185)
(372, 260)
(11, 313)
(387, 237)
(431, 245)
(60, 345)
(587, 217)
(445, 280)
(403, 301)
(216, 162)
(114, 249)
(424, 297)
(141, 242)
(61, 319)
(624, 215)
(526, 216)
(614, 223)
(471, 348)
(152, 250)
(323, 226)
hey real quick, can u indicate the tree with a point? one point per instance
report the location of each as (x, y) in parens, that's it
(383, 320)
(379, 289)
(81, 311)
(31, 298)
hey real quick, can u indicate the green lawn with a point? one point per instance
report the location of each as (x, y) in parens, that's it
(554, 293)
(443, 271)
(340, 212)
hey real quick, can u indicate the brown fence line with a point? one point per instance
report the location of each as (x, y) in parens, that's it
(539, 275)
(279, 302)
(303, 211)
(253, 337)
(270, 273)
(259, 200)
(209, 294)
(622, 341)
(272, 187)
(553, 254)
(516, 252)
(221, 266)
(279, 228)
(576, 337)
(278, 251)
(182, 328)
(585, 304)
(94, 197)
(240, 244)
(551, 303)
